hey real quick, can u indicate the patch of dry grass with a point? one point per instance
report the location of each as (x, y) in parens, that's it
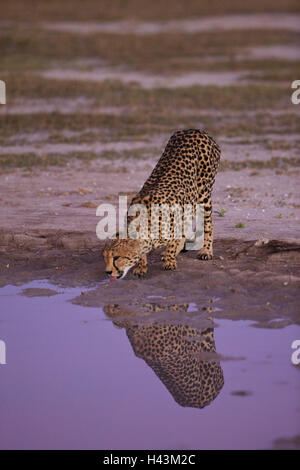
(282, 145)
(35, 48)
(140, 124)
(263, 69)
(273, 163)
(106, 124)
(283, 73)
(31, 159)
(115, 93)
(55, 10)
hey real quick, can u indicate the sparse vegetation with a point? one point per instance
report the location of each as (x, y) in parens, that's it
(221, 212)
(139, 123)
(31, 159)
(34, 48)
(107, 10)
(114, 93)
(272, 163)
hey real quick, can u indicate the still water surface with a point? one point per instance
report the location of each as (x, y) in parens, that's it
(73, 379)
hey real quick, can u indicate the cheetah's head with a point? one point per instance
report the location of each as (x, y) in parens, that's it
(120, 255)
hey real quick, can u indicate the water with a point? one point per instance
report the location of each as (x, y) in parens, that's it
(72, 380)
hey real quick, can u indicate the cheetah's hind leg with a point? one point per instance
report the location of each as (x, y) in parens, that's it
(173, 248)
(206, 252)
(181, 249)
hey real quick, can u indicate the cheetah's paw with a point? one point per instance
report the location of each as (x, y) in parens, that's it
(205, 254)
(140, 271)
(168, 266)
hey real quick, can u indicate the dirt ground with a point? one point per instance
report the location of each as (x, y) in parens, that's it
(83, 126)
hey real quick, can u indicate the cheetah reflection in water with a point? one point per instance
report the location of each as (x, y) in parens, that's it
(173, 351)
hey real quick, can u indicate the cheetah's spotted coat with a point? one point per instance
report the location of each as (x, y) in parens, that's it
(184, 174)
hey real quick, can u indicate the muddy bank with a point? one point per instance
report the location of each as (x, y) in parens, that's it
(257, 280)
(246, 280)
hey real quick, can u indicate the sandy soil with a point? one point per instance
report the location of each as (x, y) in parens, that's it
(149, 81)
(55, 198)
(271, 52)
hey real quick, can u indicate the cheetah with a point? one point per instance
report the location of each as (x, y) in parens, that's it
(181, 356)
(184, 175)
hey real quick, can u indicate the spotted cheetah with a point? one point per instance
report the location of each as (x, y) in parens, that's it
(184, 175)
(180, 355)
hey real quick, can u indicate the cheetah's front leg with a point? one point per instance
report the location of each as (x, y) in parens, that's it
(141, 268)
(206, 252)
